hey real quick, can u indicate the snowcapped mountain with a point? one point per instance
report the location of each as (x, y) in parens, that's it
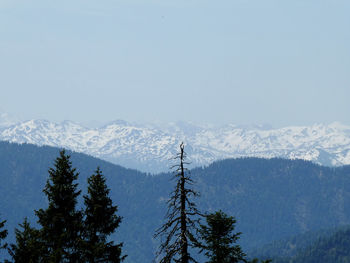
(150, 147)
(6, 119)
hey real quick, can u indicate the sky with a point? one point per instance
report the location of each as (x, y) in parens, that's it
(226, 61)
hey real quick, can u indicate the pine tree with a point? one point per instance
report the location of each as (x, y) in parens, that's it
(218, 239)
(61, 222)
(3, 234)
(100, 221)
(28, 246)
(182, 217)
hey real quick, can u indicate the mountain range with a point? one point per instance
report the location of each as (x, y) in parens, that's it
(272, 199)
(149, 147)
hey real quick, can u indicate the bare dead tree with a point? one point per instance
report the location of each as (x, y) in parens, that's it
(182, 217)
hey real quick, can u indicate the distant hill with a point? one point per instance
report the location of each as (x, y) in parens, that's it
(23, 174)
(271, 199)
(333, 249)
(148, 147)
(327, 246)
(290, 248)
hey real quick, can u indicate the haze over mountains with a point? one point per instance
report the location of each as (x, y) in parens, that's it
(148, 147)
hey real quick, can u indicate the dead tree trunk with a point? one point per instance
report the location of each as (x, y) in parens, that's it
(182, 217)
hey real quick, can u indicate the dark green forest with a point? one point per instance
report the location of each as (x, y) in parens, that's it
(326, 245)
(271, 199)
(327, 250)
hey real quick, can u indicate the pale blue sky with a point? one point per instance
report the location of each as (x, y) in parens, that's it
(231, 61)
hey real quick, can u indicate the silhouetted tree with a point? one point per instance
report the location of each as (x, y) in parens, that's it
(61, 222)
(3, 234)
(100, 221)
(28, 246)
(218, 240)
(182, 217)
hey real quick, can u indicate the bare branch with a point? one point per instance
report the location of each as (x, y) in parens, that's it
(182, 216)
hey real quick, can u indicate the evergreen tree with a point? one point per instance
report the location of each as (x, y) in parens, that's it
(3, 234)
(100, 221)
(61, 222)
(219, 239)
(28, 246)
(182, 217)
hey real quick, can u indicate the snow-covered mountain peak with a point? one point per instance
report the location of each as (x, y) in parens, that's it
(339, 126)
(7, 120)
(149, 146)
(118, 123)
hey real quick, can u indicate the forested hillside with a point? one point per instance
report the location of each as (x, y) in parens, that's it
(271, 199)
(288, 248)
(333, 249)
(326, 246)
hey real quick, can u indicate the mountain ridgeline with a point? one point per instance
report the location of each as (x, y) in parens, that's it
(148, 147)
(271, 199)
